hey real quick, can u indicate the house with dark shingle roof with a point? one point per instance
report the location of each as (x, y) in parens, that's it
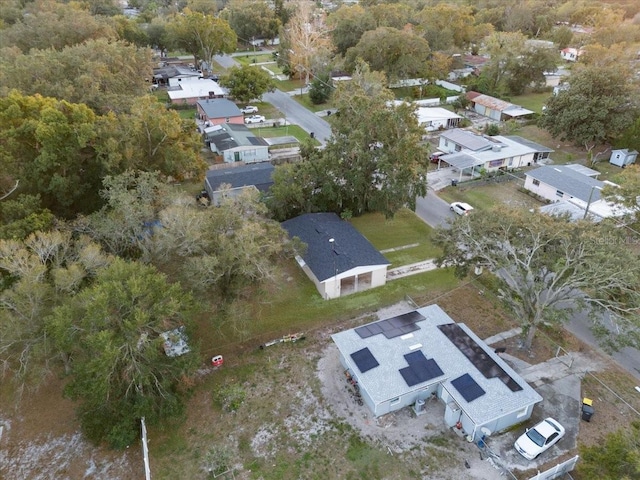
(338, 259)
(219, 110)
(230, 182)
(412, 358)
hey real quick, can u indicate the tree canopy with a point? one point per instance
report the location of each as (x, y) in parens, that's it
(548, 267)
(247, 82)
(597, 105)
(120, 371)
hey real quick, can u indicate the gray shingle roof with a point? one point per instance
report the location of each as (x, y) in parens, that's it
(568, 181)
(258, 175)
(231, 135)
(385, 381)
(219, 108)
(349, 249)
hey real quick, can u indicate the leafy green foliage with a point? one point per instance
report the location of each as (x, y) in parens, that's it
(22, 216)
(252, 19)
(320, 89)
(615, 458)
(105, 75)
(594, 109)
(247, 82)
(120, 371)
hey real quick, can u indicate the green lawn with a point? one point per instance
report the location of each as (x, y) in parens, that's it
(532, 101)
(187, 113)
(289, 85)
(480, 197)
(294, 130)
(306, 102)
(257, 58)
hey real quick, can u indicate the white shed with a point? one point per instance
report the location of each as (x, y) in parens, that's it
(623, 157)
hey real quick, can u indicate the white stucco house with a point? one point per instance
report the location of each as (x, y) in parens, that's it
(338, 259)
(407, 359)
(191, 89)
(470, 153)
(574, 184)
(437, 118)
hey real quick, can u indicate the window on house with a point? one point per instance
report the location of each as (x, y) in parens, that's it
(395, 401)
(536, 183)
(458, 148)
(226, 119)
(559, 193)
(522, 412)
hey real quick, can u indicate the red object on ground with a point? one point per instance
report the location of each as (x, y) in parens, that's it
(217, 361)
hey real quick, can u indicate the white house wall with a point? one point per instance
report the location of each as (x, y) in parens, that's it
(331, 287)
(251, 154)
(545, 191)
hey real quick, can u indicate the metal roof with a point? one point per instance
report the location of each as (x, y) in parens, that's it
(349, 249)
(461, 160)
(589, 172)
(466, 139)
(568, 181)
(529, 143)
(385, 381)
(232, 135)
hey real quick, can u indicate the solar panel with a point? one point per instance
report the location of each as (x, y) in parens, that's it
(477, 355)
(468, 387)
(420, 369)
(392, 327)
(364, 360)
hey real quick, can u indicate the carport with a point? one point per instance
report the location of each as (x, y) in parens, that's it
(462, 162)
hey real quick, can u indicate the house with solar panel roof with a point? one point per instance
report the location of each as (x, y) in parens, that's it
(405, 360)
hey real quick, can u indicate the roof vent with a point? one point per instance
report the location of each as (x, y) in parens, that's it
(496, 148)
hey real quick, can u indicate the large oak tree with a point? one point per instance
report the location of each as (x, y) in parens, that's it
(548, 267)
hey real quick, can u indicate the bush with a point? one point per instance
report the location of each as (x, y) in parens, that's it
(229, 397)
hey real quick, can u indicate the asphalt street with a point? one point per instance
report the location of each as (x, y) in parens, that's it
(433, 210)
(293, 112)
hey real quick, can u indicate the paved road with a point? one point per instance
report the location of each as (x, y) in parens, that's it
(294, 112)
(433, 210)
(299, 115)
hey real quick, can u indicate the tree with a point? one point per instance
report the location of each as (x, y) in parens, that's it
(320, 89)
(120, 371)
(595, 108)
(247, 82)
(445, 25)
(23, 215)
(252, 19)
(627, 191)
(48, 145)
(203, 36)
(39, 272)
(615, 458)
(49, 24)
(151, 138)
(548, 267)
(105, 75)
(398, 53)
(348, 24)
(304, 40)
(374, 161)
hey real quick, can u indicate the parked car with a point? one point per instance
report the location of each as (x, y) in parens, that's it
(249, 109)
(254, 119)
(461, 208)
(539, 438)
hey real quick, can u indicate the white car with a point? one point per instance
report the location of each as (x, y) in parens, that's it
(249, 109)
(461, 208)
(254, 119)
(539, 438)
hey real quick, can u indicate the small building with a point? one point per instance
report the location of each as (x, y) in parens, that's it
(236, 143)
(187, 91)
(571, 54)
(408, 359)
(231, 181)
(623, 157)
(437, 118)
(567, 183)
(219, 110)
(469, 152)
(495, 108)
(163, 75)
(338, 259)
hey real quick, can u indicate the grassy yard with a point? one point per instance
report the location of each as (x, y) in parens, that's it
(532, 101)
(306, 102)
(257, 58)
(289, 85)
(293, 130)
(488, 196)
